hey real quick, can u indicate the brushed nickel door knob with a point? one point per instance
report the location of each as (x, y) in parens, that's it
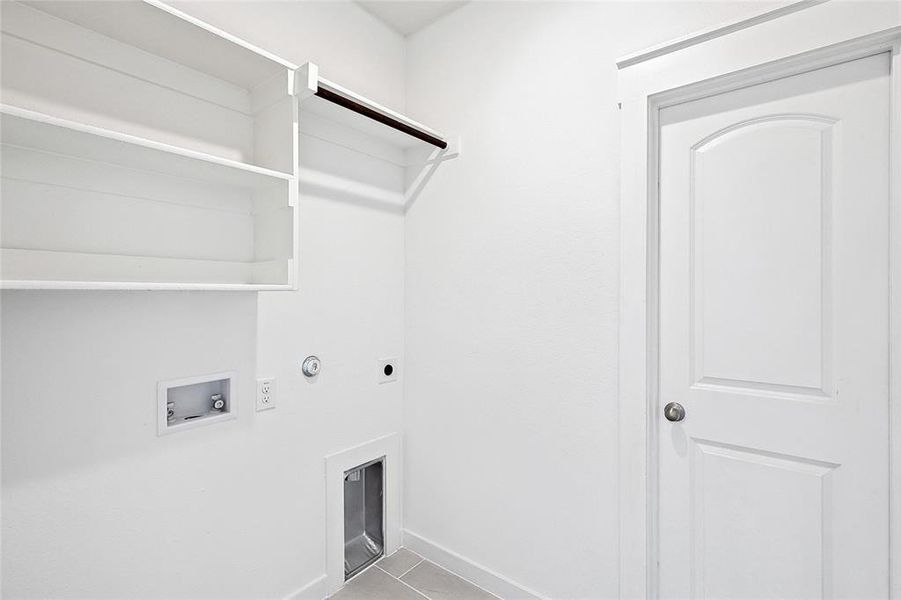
(674, 412)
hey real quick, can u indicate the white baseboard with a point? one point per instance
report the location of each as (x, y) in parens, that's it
(315, 590)
(483, 577)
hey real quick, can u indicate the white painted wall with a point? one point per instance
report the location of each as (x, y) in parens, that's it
(94, 503)
(511, 286)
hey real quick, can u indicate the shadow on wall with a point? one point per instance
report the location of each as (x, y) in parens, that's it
(373, 176)
(340, 189)
(333, 171)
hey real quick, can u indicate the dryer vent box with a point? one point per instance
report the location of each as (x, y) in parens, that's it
(194, 401)
(364, 520)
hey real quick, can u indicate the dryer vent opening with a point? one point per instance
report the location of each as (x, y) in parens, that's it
(364, 522)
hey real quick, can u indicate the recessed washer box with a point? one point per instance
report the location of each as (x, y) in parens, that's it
(195, 401)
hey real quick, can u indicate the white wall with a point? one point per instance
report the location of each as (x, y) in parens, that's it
(511, 286)
(94, 503)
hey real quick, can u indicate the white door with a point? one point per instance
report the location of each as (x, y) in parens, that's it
(774, 336)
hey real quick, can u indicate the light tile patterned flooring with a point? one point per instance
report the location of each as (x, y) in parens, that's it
(407, 576)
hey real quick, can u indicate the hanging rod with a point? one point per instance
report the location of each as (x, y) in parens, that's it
(351, 104)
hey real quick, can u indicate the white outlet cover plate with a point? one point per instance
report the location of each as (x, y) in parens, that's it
(266, 401)
(395, 366)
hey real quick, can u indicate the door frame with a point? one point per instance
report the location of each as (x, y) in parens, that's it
(795, 38)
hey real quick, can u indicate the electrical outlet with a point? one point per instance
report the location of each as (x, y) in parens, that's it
(265, 394)
(387, 370)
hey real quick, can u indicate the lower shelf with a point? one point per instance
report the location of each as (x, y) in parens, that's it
(50, 269)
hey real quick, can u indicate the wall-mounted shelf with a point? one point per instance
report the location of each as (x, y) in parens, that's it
(44, 133)
(166, 32)
(135, 160)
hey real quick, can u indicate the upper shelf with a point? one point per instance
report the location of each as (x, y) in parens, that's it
(37, 131)
(164, 31)
(329, 100)
(143, 149)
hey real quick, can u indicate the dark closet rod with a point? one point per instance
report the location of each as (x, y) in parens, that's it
(327, 94)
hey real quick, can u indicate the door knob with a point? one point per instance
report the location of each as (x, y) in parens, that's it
(674, 411)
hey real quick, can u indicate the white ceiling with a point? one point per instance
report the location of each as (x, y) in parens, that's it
(409, 16)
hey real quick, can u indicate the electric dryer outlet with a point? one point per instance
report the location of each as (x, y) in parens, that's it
(387, 370)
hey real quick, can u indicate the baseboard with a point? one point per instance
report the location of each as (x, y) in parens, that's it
(315, 590)
(483, 577)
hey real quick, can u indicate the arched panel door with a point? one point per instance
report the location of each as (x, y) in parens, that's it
(774, 307)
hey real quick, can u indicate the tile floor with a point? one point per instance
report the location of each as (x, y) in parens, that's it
(407, 576)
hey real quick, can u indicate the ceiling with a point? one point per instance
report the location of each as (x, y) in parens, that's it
(409, 16)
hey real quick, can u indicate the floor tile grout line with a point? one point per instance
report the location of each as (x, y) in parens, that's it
(473, 584)
(373, 565)
(411, 568)
(457, 575)
(403, 582)
(414, 589)
(385, 572)
(419, 562)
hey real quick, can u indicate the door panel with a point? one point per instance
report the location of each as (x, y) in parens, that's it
(782, 549)
(777, 341)
(773, 325)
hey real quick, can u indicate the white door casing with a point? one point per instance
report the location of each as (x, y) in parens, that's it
(773, 335)
(795, 39)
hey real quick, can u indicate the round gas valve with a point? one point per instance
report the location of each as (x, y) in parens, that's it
(311, 366)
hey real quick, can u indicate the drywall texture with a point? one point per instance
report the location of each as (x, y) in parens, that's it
(511, 286)
(94, 504)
